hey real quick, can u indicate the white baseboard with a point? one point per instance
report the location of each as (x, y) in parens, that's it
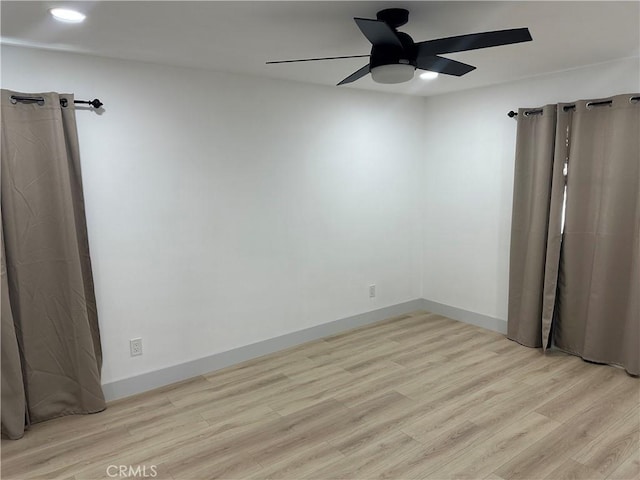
(159, 378)
(466, 316)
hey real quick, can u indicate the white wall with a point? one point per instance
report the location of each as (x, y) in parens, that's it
(224, 210)
(468, 182)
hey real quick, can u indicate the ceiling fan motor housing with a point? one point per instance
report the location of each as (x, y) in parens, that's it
(392, 54)
(390, 62)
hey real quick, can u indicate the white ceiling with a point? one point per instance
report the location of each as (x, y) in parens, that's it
(241, 36)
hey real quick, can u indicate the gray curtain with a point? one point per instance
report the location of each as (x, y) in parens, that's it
(556, 223)
(535, 143)
(587, 300)
(51, 355)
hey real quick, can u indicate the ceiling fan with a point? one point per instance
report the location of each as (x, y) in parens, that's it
(395, 56)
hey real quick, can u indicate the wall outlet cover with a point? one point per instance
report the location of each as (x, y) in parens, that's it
(135, 346)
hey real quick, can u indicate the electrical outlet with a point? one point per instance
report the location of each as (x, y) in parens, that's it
(372, 291)
(135, 345)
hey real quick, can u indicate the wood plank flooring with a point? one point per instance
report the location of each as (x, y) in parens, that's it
(416, 396)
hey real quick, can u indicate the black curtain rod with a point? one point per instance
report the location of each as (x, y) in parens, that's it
(95, 103)
(566, 108)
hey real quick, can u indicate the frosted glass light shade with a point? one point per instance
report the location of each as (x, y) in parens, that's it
(396, 73)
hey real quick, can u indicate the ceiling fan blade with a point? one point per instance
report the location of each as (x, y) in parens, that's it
(356, 75)
(473, 41)
(378, 32)
(443, 65)
(316, 59)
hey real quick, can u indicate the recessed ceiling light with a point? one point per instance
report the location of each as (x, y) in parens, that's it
(428, 75)
(67, 15)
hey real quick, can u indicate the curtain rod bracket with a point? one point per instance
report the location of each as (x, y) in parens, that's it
(95, 103)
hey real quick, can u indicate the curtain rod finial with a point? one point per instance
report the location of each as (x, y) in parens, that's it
(512, 114)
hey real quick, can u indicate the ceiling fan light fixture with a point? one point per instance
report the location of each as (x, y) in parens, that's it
(427, 75)
(395, 56)
(394, 73)
(67, 15)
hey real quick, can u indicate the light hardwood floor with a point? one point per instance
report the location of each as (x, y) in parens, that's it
(416, 396)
